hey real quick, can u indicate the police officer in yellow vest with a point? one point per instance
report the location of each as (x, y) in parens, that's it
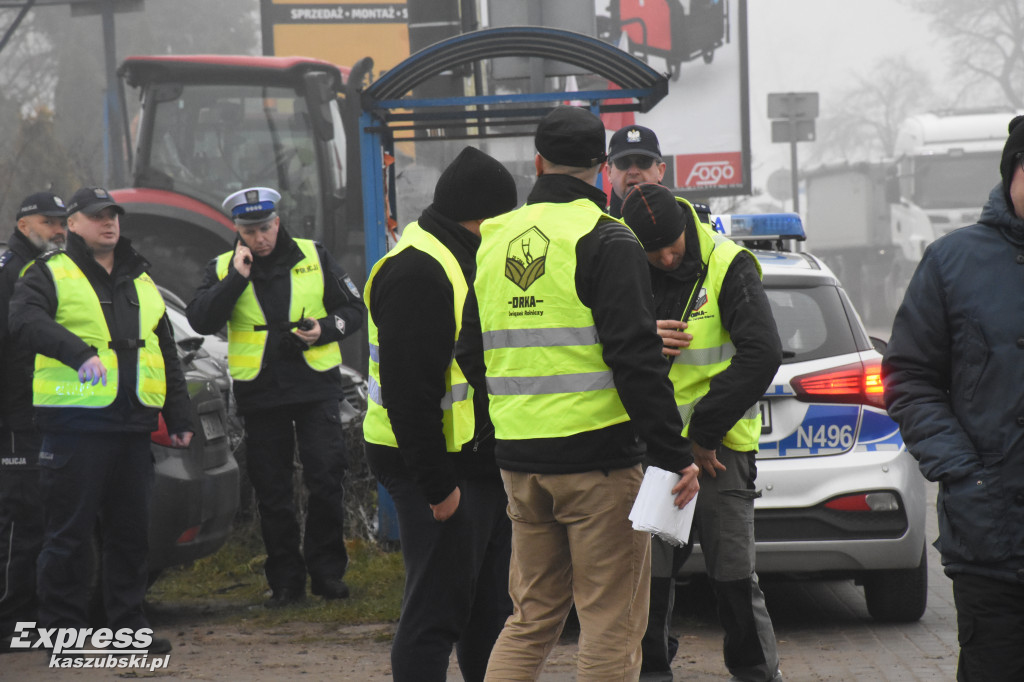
(106, 365)
(40, 227)
(287, 305)
(429, 440)
(563, 314)
(724, 349)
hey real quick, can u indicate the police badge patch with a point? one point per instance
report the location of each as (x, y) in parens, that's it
(352, 287)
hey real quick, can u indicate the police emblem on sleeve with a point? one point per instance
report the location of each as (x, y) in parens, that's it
(352, 288)
(525, 258)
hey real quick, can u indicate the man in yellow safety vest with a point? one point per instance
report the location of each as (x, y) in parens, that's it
(720, 365)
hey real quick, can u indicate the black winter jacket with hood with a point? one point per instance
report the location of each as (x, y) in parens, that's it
(954, 372)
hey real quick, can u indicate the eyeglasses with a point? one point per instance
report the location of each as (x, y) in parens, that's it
(642, 162)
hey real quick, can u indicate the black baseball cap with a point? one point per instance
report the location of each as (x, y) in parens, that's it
(42, 203)
(654, 215)
(634, 140)
(571, 136)
(92, 200)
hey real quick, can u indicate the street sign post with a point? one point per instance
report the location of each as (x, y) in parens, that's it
(793, 115)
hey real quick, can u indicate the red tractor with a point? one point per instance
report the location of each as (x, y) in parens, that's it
(210, 125)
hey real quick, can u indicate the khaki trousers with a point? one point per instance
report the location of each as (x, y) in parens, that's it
(572, 541)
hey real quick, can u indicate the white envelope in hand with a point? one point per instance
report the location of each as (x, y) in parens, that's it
(654, 510)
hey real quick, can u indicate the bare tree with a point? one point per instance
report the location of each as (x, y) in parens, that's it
(986, 44)
(864, 124)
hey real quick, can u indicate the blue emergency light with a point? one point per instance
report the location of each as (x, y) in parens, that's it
(762, 226)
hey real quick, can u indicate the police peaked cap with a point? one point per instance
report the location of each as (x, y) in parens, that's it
(253, 205)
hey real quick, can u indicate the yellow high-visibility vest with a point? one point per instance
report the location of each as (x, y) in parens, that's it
(247, 333)
(457, 403)
(54, 384)
(711, 350)
(546, 376)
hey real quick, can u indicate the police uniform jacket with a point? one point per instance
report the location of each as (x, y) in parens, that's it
(746, 315)
(15, 359)
(611, 280)
(33, 309)
(285, 378)
(412, 300)
(953, 371)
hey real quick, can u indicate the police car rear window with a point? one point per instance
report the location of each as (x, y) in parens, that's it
(812, 322)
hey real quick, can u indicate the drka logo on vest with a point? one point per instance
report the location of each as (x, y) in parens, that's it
(524, 264)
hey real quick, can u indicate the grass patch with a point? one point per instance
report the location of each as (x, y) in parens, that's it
(232, 582)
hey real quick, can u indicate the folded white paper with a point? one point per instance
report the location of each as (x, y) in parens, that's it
(654, 510)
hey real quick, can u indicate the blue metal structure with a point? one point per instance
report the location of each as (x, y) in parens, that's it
(388, 115)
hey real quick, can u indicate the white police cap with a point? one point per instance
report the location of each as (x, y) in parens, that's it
(252, 205)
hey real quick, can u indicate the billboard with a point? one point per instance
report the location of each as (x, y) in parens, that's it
(338, 32)
(703, 124)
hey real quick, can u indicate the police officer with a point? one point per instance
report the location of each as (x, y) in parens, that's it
(720, 366)
(634, 156)
(106, 366)
(41, 220)
(287, 305)
(573, 371)
(425, 442)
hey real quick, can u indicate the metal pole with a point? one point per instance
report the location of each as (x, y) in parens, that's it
(794, 179)
(113, 118)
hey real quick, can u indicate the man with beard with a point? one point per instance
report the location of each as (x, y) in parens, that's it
(42, 219)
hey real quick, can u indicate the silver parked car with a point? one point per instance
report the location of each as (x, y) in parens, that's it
(840, 495)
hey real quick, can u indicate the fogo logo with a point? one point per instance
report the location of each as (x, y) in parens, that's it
(710, 173)
(708, 170)
(124, 648)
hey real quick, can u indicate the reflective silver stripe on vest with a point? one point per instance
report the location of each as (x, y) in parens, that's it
(686, 411)
(458, 393)
(373, 391)
(562, 383)
(698, 357)
(540, 338)
(375, 353)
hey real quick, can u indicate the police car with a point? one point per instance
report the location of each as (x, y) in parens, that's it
(840, 495)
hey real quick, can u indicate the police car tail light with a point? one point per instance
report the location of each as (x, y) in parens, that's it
(876, 502)
(857, 383)
(160, 436)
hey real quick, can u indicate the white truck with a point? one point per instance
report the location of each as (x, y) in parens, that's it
(872, 238)
(948, 161)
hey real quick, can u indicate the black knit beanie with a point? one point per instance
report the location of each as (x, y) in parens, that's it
(654, 215)
(474, 186)
(1014, 145)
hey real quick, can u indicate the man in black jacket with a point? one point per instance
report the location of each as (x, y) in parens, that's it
(720, 366)
(953, 373)
(287, 304)
(429, 440)
(106, 365)
(562, 307)
(42, 219)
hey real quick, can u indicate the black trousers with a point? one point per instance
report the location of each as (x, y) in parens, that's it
(21, 527)
(270, 438)
(990, 628)
(85, 478)
(456, 580)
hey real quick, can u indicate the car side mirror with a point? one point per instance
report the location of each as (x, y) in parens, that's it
(879, 344)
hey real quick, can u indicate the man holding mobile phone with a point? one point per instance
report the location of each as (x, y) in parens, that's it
(287, 304)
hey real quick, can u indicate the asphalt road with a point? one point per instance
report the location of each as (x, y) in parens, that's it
(824, 633)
